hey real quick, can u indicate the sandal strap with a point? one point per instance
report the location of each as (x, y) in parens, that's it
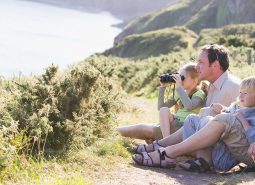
(192, 166)
(198, 164)
(156, 145)
(145, 161)
(143, 148)
(140, 148)
(147, 158)
(165, 158)
(203, 164)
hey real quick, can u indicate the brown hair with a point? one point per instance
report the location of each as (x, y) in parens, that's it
(219, 53)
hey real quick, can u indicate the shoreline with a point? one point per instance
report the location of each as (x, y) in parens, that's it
(66, 5)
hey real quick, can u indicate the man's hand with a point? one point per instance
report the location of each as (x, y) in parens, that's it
(217, 108)
(251, 151)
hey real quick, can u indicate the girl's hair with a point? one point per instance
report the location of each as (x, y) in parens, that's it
(190, 68)
(248, 83)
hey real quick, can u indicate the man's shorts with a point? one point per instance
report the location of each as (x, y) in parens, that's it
(193, 123)
(176, 125)
(235, 139)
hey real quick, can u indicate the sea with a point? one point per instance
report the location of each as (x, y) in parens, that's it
(35, 35)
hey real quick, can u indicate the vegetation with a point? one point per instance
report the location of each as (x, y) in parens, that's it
(195, 15)
(52, 114)
(241, 35)
(56, 127)
(154, 43)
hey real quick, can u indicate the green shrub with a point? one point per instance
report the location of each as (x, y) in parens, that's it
(58, 112)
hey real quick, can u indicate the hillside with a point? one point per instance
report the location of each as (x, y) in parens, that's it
(154, 43)
(168, 40)
(230, 35)
(195, 15)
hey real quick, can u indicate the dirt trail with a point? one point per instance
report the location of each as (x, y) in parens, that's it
(127, 173)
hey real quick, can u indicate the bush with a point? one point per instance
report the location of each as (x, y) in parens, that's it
(58, 112)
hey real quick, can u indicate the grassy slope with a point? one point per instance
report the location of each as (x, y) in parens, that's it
(230, 35)
(154, 43)
(195, 14)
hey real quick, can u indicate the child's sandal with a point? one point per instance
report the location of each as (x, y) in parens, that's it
(196, 165)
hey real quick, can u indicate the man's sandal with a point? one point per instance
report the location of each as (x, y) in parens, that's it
(143, 148)
(196, 165)
(146, 160)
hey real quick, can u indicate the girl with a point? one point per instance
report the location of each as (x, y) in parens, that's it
(188, 98)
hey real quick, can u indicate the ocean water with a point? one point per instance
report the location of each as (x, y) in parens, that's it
(34, 35)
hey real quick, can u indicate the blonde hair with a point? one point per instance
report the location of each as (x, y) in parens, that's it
(248, 83)
(190, 68)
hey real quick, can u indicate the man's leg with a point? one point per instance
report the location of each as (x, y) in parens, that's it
(172, 139)
(139, 131)
(204, 138)
(191, 125)
(194, 123)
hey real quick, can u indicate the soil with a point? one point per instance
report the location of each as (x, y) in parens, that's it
(129, 174)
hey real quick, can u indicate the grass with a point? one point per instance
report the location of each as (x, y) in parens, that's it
(154, 43)
(92, 163)
(81, 166)
(194, 14)
(75, 167)
(137, 113)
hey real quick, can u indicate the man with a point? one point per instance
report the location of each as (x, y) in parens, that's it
(213, 63)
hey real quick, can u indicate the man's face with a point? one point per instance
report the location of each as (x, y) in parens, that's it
(203, 67)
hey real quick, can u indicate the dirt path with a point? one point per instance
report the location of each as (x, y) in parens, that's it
(130, 174)
(127, 173)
